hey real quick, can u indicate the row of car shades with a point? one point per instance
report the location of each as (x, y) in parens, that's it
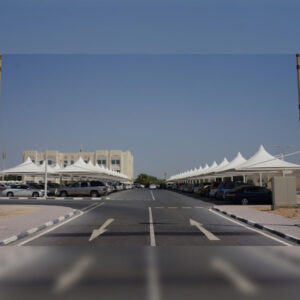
(79, 168)
(260, 162)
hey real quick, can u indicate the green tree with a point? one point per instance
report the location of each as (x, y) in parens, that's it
(146, 179)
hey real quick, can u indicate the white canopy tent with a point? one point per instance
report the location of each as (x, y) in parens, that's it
(261, 162)
(25, 168)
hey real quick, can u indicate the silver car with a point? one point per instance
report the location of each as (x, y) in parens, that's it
(22, 190)
(83, 188)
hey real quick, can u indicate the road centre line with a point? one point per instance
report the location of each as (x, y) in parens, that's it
(87, 209)
(250, 228)
(151, 228)
(152, 195)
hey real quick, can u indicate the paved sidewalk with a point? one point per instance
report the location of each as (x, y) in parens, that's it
(284, 227)
(39, 215)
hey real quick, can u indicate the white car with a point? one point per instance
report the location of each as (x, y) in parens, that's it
(152, 186)
(22, 190)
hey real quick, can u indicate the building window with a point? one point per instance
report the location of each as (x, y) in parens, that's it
(101, 162)
(113, 162)
(65, 163)
(118, 171)
(41, 162)
(33, 160)
(49, 162)
(72, 162)
(117, 162)
(86, 161)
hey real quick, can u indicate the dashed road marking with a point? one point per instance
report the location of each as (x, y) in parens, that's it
(152, 195)
(151, 227)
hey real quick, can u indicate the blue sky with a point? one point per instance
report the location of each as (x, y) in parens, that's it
(174, 112)
(178, 82)
(149, 26)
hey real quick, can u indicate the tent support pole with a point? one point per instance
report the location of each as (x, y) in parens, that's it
(244, 178)
(260, 179)
(46, 177)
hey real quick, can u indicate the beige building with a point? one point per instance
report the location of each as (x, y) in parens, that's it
(117, 160)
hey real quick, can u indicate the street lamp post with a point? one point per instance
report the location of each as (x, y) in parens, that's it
(46, 175)
(283, 150)
(298, 77)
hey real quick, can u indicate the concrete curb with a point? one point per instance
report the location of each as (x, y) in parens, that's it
(49, 198)
(260, 226)
(36, 229)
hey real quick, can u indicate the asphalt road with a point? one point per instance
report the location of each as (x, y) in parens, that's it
(148, 218)
(191, 252)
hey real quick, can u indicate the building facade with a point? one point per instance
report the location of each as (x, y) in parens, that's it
(117, 160)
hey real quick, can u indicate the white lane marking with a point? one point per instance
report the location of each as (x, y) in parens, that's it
(158, 207)
(239, 280)
(107, 198)
(152, 195)
(70, 277)
(153, 282)
(60, 224)
(151, 227)
(250, 228)
(207, 233)
(92, 205)
(101, 230)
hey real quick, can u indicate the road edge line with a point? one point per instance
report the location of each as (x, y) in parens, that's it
(259, 227)
(26, 233)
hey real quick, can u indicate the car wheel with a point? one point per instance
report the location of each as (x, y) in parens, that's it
(245, 201)
(35, 194)
(63, 194)
(94, 194)
(10, 194)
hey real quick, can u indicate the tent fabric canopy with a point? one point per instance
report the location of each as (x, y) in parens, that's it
(260, 162)
(264, 160)
(27, 167)
(77, 169)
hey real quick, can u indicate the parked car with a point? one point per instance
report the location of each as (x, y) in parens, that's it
(226, 186)
(204, 191)
(35, 186)
(22, 190)
(84, 188)
(249, 194)
(52, 188)
(152, 187)
(189, 188)
(3, 187)
(213, 188)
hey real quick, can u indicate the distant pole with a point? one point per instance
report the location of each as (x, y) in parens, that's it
(3, 163)
(298, 75)
(46, 177)
(80, 148)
